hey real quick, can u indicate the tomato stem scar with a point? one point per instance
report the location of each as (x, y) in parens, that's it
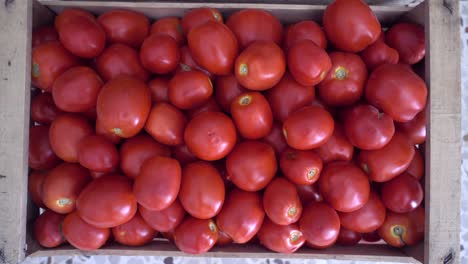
(243, 69)
(245, 100)
(341, 73)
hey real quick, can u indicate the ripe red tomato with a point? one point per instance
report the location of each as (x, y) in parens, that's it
(251, 165)
(351, 25)
(252, 115)
(83, 235)
(213, 46)
(171, 26)
(62, 185)
(47, 229)
(344, 83)
(48, 61)
(367, 219)
(227, 88)
(166, 124)
(402, 194)
(415, 129)
(107, 201)
(120, 59)
(280, 238)
(409, 40)
(401, 230)
(379, 53)
(136, 150)
(320, 225)
(164, 220)
(308, 128)
(309, 193)
(210, 106)
(250, 25)
(158, 183)
(344, 186)
(189, 89)
(223, 238)
(187, 63)
(199, 16)
(43, 109)
(43, 35)
(276, 139)
(77, 89)
(201, 190)
(306, 29)
(183, 154)
(308, 63)
(35, 182)
(101, 131)
(396, 90)
(124, 26)
(301, 166)
(337, 147)
(367, 128)
(288, 96)
(41, 155)
(80, 33)
(135, 232)
(159, 87)
(347, 237)
(210, 135)
(123, 106)
(386, 163)
(98, 154)
(66, 132)
(159, 54)
(416, 167)
(281, 202)
(241, 216)
(196, 236)
(371, 237)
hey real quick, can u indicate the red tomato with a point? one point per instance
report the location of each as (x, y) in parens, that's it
(409, 40)
(171, 26)
(320, 225)
(187, 63)
(280, 238)
(107, 201)
(388, 162)
(351, 25)
(41, 155)
(241, 216)
(344, 186)
(371, 237)
(308, 128)
(43, 109)
(337, 147)
(288, 96)
(196, 236)
(227, 88)
(210, 135)
(367, 219)
(159, 87)
(401, 230)
(281, 202)
(135, 232)
(123, 106)
(159, 54)
(48, 61)
(367, 128)
(166, 124)
(120, 59)
(98, 154)
(124, 26)
(344, 83)
(276, 139)
(201, 190)
(136, 150)
(62, 185)
(416, 167)
(402, 194)
(100, 130)
(223, 238)
(347, 237)
(308, 63)
(183, 154)
(306, 29)
(83, 235)
(213, 46)
(65, 134)
(250, 25)
(43, 35)
(80, 33)
(415, 129)
(301, 166)
(252, 115)
(47, 229)
(251, 165)
(164, 220)
(309, 193)
(35, 182)
(77, 89)
(158, 183)
(379, 53)
(199, 16)
(189, 89)
(396, 90)
(210, 106)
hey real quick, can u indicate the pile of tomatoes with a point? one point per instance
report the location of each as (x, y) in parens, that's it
(209, 132)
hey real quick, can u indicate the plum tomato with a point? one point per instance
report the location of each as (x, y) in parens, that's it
(98, 154)
(164, 220)
(159, 87)
(306, 29)
(281, 202)
(189, 89)
(320, 225)
(135, 232)
(159, 54)
(406, 229)
(366, 219)
(379, 53)
(171, 26)
(337, 147)
(416, 167)
(124, 26)
(40, 154)
(199, 16)
(82, 235)
(347, 237)
(47, 229)
(227, 88)
(252, 115)
(409, 40)
(415, 129)
(302, 167)
(280, 238)
(196, 236)
(166, 124)
(402, 194)
(309, 193)
(43, 109)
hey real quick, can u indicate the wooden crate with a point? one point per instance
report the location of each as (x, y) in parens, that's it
(442, 73)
